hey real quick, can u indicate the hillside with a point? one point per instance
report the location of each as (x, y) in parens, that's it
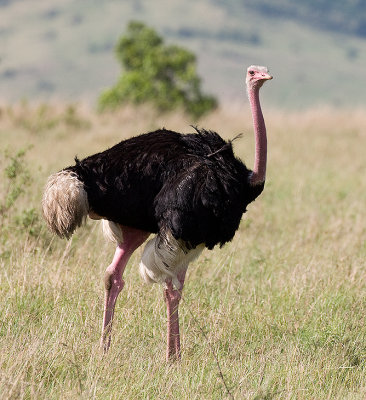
(64, 50)
(347, 16)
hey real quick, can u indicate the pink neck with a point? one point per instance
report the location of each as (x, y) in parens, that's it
(260, 161)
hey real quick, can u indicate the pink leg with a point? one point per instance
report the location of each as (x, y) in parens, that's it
(172, 298)
(113, 282)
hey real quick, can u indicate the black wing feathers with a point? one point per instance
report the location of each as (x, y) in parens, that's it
(204, 202)
(191, 184)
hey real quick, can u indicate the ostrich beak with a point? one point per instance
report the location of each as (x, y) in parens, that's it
(267, 76)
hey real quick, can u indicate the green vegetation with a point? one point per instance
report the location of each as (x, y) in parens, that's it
(14, 184)
(283, 306)
(156, 73)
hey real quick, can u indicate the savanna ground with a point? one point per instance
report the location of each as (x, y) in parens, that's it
(282, 307)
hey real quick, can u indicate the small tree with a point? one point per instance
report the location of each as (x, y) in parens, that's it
(154, 72)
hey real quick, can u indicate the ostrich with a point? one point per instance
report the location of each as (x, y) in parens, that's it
(187, 189)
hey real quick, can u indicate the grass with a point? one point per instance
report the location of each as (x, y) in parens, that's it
(282, 306)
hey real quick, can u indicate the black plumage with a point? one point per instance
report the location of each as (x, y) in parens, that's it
(189, 184)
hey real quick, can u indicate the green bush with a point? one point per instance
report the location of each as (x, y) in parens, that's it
(156, 73)
(14, 187)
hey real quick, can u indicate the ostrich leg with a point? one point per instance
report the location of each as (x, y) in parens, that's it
(172, 298)
(113, 282)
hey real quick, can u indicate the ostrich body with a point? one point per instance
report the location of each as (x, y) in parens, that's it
(187, 189)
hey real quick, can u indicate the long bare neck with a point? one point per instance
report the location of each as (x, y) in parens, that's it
(260, 162)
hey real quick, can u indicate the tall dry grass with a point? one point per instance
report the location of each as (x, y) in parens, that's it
(283, 306)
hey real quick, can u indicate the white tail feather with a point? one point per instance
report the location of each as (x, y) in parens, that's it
(65, 203)
(164, 257)
(112, 231)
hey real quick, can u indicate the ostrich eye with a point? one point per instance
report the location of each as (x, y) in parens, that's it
(251, 73)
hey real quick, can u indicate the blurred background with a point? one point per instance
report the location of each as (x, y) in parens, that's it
(64, 49)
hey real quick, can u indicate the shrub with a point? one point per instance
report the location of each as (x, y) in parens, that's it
(156, 73)
(15, 181)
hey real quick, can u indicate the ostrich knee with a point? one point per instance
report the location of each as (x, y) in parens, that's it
(113, 284)
(113, 281)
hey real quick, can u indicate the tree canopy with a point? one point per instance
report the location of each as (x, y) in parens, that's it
(156, 73)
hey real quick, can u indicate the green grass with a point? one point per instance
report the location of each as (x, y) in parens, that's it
(282, 307)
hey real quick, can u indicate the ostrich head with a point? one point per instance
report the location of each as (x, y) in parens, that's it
(256, 76)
